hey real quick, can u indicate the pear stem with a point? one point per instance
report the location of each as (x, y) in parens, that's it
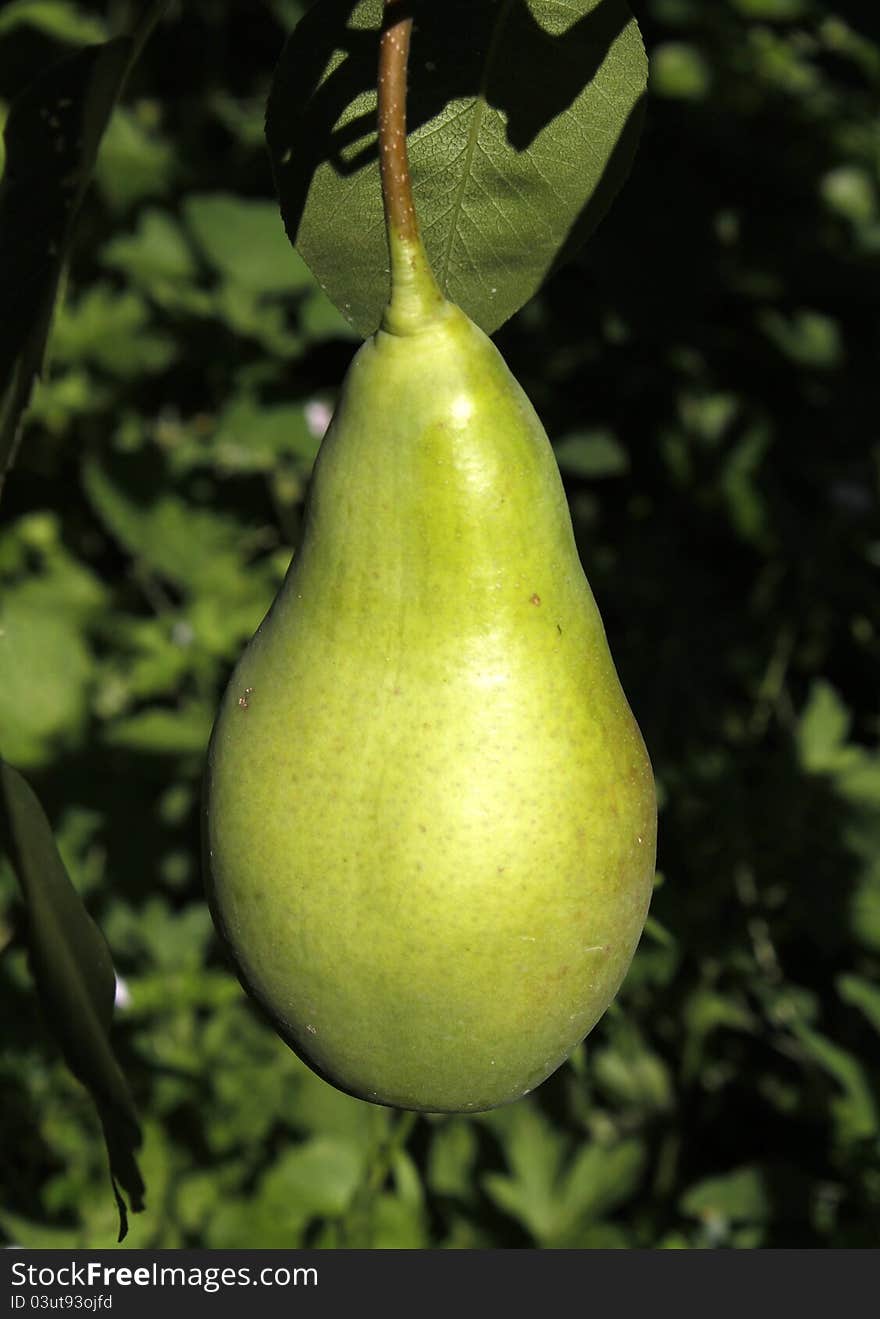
(415, 297)
(397, 195)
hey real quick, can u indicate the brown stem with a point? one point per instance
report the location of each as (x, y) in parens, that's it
(415, 299)
(400, 214)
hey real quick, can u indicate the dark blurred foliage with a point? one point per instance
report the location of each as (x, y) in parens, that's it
(707, 370)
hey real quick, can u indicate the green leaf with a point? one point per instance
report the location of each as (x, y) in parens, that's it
(507, 185)
(175, 940)
(47, 602)
(591, 454)
(850, 192)
(742, 486)
(249, 314)
(679, 71)
(59, 399)
(319, 319)
(823, 730)
(855, 1109)
(807, 338)
(707, 1011)
(321, 1109)
(135, 161)
(164, 732)
(863, 995)
(28, 1235)
(553, 1195)
(396, 1224)
(600, 1178)
(865, 909)
(45, 676)
(244, 241)
(634, 1077)
(452, 1156)
(738, 1196)
(155, 254)
(397, 1221)
(197, 548)
(780, 11)
(73, 970)
(65, 22)
(317, 1178)
(251, 437)
(535, 1153)
(109, 329)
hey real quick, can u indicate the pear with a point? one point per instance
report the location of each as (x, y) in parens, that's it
(431, 819)
(430, 816)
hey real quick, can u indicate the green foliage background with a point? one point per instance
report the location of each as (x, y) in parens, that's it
(707, 370)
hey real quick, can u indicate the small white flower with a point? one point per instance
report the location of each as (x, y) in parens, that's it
(183, 633)
(318, 413)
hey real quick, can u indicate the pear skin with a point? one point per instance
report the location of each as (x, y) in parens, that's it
(430, 815)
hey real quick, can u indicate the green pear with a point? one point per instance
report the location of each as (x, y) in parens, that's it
(430, 821)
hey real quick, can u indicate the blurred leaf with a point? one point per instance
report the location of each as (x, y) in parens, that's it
(600, 1178)
(823, 730)
(398, 1220)
(45, 676)
(678, 70)
(56, 18)
(808, 338)
(534, 1153)
(407, 1181)
(154, 656)
(73, 969)
(136, 161)
(707, 1011)
(551, 1196)
(175, 939)
(251, 437)
(164, 732)
(865, 909)
(289, 12)
(708, 415)
(782, 11)
(452, 1158)
(851, 192)
(316, 1178)
(109, 329)
(46, 664)
(397, 1225)
(591, 454)
(633, 1077)
(27, 1235)
(856, 1110)
(245, 120)
(244, 241)
(197, 548)
(863, 995)
(321, 1108)
(156, 253)
(505, 184)
(59, 399)
(742, 487)
(247, 314)
(319, 319)
(736, 1196)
